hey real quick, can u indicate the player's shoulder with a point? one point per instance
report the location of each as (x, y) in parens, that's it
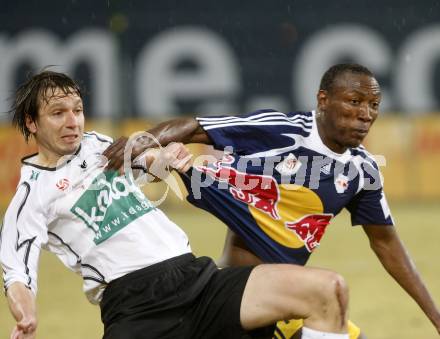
(93, 136)
(364, 156)
(95, 142)
(29, 171)
(300, 120)
(301, 114)
(267, 114)
(270, 113)
(23, 190)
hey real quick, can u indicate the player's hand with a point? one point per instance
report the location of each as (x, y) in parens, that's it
(25, 329)
(182, 158)
(115, 152)
(159, 161)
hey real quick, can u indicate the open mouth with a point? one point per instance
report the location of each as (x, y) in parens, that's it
(70, 137)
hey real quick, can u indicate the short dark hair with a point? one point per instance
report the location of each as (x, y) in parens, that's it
(330, 76)
(28, 96)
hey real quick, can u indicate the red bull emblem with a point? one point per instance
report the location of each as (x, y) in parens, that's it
(256, 190)
(310, 229)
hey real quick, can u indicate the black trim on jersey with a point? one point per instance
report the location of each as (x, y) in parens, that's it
(279, 333)
(98, 137)
(24, 162)
(94, 269)
(28, 243)
(28, 190)
(78, 258)
(86, 277)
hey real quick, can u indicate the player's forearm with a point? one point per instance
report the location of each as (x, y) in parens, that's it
(399, 265)
(23, 307)
(185, 130)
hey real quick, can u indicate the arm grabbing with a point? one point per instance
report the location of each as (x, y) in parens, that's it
(23, 308)
(184, 130)
(159, 161)
(388, 247)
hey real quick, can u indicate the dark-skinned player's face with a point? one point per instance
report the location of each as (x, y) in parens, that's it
(348, 110)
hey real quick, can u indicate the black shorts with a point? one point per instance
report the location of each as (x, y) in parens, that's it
(183, 297)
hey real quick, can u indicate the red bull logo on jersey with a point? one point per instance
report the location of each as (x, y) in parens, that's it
(259, 191)
(310, 229)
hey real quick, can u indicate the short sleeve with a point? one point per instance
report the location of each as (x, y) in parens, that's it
(369, 206)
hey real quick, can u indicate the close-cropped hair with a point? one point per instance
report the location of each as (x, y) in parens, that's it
(329, 78)
(37, 89)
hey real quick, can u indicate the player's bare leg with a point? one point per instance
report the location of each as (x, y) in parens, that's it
(275, 292)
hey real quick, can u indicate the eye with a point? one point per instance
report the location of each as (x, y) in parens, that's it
(374, 105)
(354, 102)
(57, 113)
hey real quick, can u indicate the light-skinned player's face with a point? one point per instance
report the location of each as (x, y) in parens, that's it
(348, 110)
(59, 127)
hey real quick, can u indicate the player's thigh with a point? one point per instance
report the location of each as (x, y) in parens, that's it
(282, 291)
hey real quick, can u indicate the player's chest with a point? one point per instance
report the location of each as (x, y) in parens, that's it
(57, 190)
(332, 182)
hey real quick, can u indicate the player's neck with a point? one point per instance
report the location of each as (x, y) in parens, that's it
(324, 134)
(47, 158)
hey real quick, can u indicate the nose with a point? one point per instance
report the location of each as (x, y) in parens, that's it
(365, 113)
(71, 119)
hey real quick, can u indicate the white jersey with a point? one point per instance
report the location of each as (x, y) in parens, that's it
(99, 224)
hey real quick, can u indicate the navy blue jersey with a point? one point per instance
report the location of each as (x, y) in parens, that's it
(278, 186)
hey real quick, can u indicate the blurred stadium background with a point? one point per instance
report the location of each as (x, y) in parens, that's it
(142, 62)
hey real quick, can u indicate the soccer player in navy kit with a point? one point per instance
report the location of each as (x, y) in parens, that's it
(288, 175)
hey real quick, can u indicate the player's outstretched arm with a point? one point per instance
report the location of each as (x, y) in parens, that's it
(391, 252)
(159, 161)
(185, 130)
(22, 305)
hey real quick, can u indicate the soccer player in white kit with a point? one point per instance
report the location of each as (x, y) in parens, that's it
(135, 263)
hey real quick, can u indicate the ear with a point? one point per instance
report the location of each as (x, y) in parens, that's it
(322, 99)
(31, 124)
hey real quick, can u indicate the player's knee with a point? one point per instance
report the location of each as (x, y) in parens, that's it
(332, 290)
(341, 290)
